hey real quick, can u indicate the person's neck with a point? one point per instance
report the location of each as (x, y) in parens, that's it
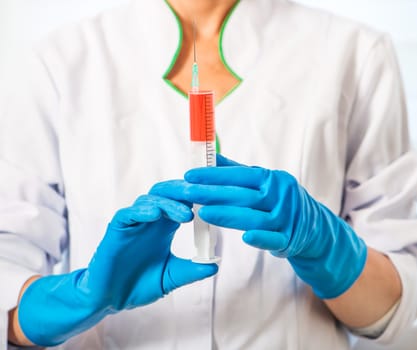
(208, 15)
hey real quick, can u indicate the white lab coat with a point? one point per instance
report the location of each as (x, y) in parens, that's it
(94, 125)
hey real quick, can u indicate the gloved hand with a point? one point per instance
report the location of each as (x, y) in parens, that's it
(133, 266)
(278, 215)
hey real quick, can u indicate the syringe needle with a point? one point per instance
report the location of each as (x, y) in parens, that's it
(195, 84)
(194, 39)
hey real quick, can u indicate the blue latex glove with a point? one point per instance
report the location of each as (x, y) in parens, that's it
(133, 266)
(278, 215)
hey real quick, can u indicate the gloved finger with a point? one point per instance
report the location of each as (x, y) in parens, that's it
(170, 209)
(173, 189)
(223, 161)
(240, 176)
(180, 272)
(151, 208)
(268, 240)
(133, 215)
(238, 218)
(216, 195)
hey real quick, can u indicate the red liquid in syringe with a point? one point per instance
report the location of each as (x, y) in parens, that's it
(202, 128)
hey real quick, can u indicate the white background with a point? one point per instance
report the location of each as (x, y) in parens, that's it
(22, 22)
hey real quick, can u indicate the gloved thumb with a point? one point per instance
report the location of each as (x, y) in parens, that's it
(180, 272)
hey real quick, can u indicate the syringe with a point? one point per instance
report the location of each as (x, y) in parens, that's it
(203, 153)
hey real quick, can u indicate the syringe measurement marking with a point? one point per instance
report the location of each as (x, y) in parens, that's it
(210, 150)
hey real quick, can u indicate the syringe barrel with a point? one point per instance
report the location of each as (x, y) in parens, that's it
(203, 153)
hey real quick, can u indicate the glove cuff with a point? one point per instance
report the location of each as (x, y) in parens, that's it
(52, 310)
(339, 259)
